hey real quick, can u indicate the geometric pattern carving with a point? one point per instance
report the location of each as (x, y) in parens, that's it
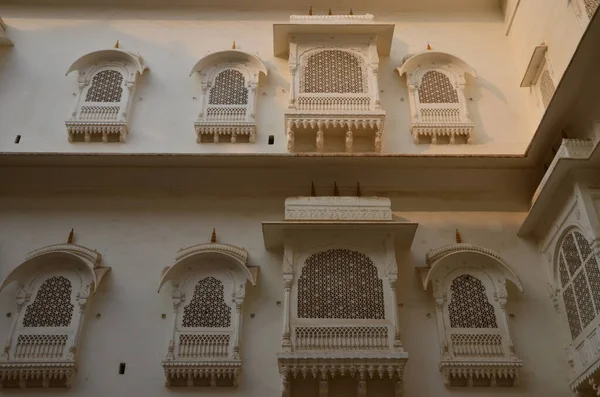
(52, 305)
(591, 6)
(40, 346)
(469, 306)
(207, 307)
(106, 87)
(229, 89)
(340, 284)
(341, 338)
(333, 71)
(436, 88)
(203, 345)
(546, 88)
(580, 281)
(478, 345)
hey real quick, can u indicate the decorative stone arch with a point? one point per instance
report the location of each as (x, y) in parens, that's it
(233, 117)
(204, 350)
(107, 80)
(476, 348)
(439, 113)
(41, 347)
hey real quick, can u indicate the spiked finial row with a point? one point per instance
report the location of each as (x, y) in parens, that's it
(458, 239)
(213, 238)
(70, 238)
(310, 11)
(336, 191)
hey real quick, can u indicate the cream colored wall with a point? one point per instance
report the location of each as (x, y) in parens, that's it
(139, 235)
(36, 97)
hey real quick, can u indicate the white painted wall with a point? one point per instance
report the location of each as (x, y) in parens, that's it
(36, 98)
(138, 236)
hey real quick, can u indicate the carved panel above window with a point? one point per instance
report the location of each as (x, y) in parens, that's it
(470, 296)
(436, 84)
(107, 81)
(334, 95)
(229, 81)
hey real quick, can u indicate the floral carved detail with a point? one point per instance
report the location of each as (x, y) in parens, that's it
(52, 305)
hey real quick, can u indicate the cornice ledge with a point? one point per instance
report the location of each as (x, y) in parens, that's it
(364, 18)
(89, 255)
(227, 249)
(586, 375)
(49, 373)
(191, 364)
(438, 253)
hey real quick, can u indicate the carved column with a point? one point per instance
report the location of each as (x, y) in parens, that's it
(362, 382)
(251, 108)
(22, 299)
(285, 383)
(440, 300)
(177, 298)
(292, 101)
(320, 138)
(375, 82)
(323, 384)
(378, 141)
(82, 300)
(290, 136)
(287, 289)
(392, 275)
(349, 141)
(501, 298)
(239, 301)
(462, 98)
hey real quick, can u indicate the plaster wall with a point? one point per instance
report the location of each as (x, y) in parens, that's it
(36, 98)
(139, 236)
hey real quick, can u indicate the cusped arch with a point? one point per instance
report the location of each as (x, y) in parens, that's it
(429, 58)
(69, 254)
(230, 56)
(440, 258)
(232, 254)
(104, 55)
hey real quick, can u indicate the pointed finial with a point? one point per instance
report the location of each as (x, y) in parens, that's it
(70, 239)
(313, 193)
(351, 12)
(358, 192)
(213, 238)
(233, 45)
(336, 192)
(310, 10)
(428, 47)
(458, 239)
(330, 13)
(117, 44)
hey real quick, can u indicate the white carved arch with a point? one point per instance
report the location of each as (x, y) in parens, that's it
(101, 56)
(434, 121)
(235, 256)
(439, 260)
(82, 258)
(236, 57)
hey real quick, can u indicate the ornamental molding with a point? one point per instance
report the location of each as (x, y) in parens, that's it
(331, 19)
(338, 208)
(107, 81)
(438, 104)
(37, 374)
(4, 40)
(202, 373)
(438, 253)
(569, 149)
(481, 373)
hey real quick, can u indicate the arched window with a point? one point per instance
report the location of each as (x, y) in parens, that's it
(107, 82)
(580, 282)
(436, 83)
(340, 283)
(470, 293)
(209, 284)
(55, 283)
(229, 80)
(333, 71)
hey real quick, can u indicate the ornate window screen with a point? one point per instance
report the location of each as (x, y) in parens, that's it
(340, 284)
(209, 284)
(107, 81)
(580, 282)
(470, 296)
(436, 83)
(546, 87)
(333, 72)
(51, 299)
(229, 80)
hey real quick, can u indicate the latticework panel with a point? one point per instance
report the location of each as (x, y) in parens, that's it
(580, 281)
(341, 338)
(469, 306)
(52, 305)
(436, 87)
(474, 345)
(546, 88)
(333, 71)
(40, 346)
(106, 87)
(207, 307)
(340, 283)
(591, 6)
(229, 88)
(203, 345)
